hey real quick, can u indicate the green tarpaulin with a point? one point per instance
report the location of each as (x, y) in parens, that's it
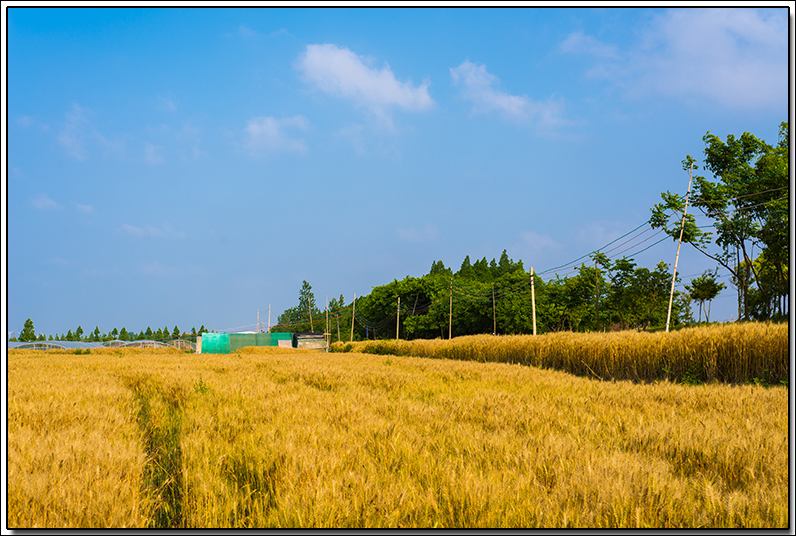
(224, 343)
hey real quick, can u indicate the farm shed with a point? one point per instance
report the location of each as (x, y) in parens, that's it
(309, 340)
(224, 343)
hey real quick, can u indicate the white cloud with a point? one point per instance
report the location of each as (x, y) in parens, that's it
(735, 57)
(72, 137)
(87, 209)
(165, 104)
(246, 32)
(425, 235)
(478, 87)
(153, 154)
(268, 133)
(133, 230)
(579, 43)
(43, 202)
(166, 230)
(597, 234)
(531, 243)
(340, 72)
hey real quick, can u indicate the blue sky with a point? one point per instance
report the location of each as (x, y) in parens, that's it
(191, 166)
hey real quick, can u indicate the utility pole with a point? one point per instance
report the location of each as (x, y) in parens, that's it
(450, 318)
(677, 257)
(327, 334)
(353, 313)
(494, 319)
(258, 321)
(398, 319)
(269, 317)
(309, 308)
(533, 303)
(597, 293)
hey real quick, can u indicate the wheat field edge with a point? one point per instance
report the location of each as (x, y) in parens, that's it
(281, 438)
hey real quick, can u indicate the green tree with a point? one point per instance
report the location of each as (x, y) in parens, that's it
(704, 289)
(123, 335)
(28, 333)
(748, 204)
(176, 332)
(466, 269)
(306, 310)
(79, 333)
(95, 336)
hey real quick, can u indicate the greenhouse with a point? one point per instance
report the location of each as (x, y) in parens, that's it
(81, 345)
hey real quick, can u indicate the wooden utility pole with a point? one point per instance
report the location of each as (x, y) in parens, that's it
(398, 319)
(494, 319)
(353, 313)
(597, 293)
(677, 257)
(450, 318)
(309, 308)
(533, 303)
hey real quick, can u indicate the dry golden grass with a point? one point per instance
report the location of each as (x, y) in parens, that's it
(734, 353)
(281, 439)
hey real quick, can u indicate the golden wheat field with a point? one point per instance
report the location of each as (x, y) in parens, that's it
(731, 353)
(286, 438)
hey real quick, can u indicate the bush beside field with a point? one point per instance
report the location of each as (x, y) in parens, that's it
(731, 353)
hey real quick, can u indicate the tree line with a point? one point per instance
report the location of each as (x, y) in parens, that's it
(746, 204)
(28, 334)
(496, 297)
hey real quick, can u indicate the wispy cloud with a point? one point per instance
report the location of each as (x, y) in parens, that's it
(166, 104)
(580, 43)
(427, 234)
(736, 57)
(43, 202)
(153, 154)
(72, 135)
(246, 32)
(530, 244)
(270, 134)
(86, 209)
(599, 233)
(480, 88)
(342, 73)
(165, 230)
